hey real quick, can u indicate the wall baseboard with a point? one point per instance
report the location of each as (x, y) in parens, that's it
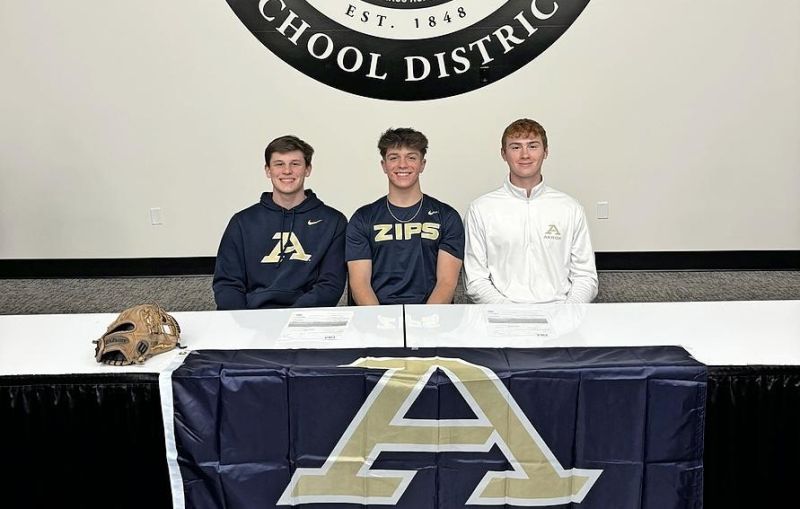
(106, 267)
(204, 265)
(698, 260)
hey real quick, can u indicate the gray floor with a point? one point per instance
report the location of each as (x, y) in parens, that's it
(110, 295)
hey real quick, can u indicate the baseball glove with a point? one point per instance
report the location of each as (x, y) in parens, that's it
(137, 334)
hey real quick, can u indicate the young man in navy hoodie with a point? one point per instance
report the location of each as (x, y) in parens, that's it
(288, 249)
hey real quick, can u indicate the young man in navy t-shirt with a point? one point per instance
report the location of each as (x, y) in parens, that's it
(406, 247)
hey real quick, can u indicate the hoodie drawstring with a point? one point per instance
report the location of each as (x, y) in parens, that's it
(291, 229)
(291, 224)
(280, 234)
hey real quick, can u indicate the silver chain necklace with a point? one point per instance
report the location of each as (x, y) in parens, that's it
(389, 208)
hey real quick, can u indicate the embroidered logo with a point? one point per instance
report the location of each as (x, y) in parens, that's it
(552, 233)
(312, 223)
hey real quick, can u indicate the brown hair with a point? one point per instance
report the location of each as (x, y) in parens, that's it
(286, 144)
(402, 137)
(522, 128)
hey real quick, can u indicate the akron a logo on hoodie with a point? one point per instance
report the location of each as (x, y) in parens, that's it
(287, 244)
(407, 49)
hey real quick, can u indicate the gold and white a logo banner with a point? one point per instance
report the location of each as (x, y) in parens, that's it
(380, 426)
(614, 428)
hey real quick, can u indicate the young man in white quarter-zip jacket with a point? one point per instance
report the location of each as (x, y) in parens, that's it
(527, 242)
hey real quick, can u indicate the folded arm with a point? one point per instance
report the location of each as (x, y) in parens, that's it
(328, 288)
(448, 268)
(230, 287)
(582, 271)
(477, 278)
(360, 274)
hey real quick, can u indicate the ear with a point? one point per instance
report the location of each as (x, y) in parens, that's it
(266, 171)
(422, 165)
(383, 166)
(308, 170)
(546, 153)
(503, 153)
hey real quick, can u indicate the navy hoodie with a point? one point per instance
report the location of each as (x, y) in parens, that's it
(272, 257)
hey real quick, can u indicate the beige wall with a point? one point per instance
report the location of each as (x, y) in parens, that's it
(683, 115)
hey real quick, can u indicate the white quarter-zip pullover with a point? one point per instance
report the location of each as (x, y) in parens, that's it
(528, 249)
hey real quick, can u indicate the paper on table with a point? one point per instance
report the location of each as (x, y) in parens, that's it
(517, 322)
(316, 325)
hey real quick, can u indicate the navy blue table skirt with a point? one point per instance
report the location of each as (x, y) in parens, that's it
(97, 440)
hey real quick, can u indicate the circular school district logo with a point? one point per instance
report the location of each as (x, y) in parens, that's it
(407, 50)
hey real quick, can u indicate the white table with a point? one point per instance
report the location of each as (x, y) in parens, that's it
(715, 333)
(62, 344)
(58, 398)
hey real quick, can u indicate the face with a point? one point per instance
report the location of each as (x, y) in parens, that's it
(524, 156)
(403, 167)
(288, 172)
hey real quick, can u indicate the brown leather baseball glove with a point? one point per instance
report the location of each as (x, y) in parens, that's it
(137, 334)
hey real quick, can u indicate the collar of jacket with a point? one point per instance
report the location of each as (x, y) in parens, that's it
(522, 194)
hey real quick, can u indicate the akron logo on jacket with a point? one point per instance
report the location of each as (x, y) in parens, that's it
(536, 477)
(407, 49)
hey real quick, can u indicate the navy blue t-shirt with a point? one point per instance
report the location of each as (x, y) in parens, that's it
(404, 248)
